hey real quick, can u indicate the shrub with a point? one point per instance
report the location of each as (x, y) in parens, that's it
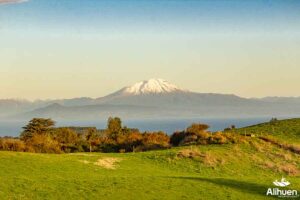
(130, 141)
(197, 128)
(194, 134)
(189, 139)
(107, 144)
(10, 144)
(155, 140)
(65, 136)
(177, 137)
(43, 144)
(218, 138)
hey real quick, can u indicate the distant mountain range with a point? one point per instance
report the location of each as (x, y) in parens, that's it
(152, 99)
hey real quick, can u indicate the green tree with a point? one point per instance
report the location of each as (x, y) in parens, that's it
(37, 126)
(66, 137)
(91, 137)
(114, 127)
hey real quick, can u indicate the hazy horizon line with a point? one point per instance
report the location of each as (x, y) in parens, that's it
(89, 97)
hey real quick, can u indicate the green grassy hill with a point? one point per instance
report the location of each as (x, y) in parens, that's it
(240, 171)
(244, 170)
(284, 130)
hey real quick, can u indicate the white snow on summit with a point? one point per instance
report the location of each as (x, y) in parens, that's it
(152, 86)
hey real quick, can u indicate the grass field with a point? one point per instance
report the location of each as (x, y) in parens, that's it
(284, 130)
(242, 171)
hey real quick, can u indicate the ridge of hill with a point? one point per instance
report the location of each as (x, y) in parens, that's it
(287, 130)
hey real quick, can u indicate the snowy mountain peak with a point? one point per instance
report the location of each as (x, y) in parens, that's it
(152, 86)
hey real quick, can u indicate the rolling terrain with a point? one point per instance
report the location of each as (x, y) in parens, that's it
(287, 131)
(243, 170)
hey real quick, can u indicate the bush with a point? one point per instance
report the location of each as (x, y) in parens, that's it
(189, 139)
(10, 144)
(218, 138)
(107, 144)
(130, 140)
(194, 134)
(197, 128)
(177, 137)
(41, 136)
(43, 144)
(155, 140)
(65, 136)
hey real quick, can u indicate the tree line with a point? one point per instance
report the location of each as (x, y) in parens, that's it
(41, 136)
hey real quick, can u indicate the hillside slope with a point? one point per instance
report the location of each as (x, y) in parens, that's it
(287, 130)
(240, 171)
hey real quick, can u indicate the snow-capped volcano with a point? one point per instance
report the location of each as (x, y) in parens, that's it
(153, 99)
(152, 86)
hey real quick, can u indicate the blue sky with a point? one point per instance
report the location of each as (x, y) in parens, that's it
(68, 48)
(155, 15)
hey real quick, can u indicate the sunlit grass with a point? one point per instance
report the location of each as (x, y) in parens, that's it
(231, 172)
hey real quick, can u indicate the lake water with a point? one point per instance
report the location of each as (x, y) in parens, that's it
(13, 128)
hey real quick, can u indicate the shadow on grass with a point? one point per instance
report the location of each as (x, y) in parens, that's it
(242, 186)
